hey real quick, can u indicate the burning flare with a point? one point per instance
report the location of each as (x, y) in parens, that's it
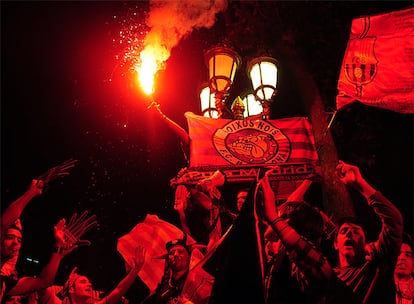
(152, 59)
(170, 21)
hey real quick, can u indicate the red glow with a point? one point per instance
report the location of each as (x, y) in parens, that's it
(152, 60)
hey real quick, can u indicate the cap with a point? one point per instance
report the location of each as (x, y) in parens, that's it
(178, 242)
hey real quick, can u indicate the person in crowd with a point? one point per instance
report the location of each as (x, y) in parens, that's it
(11, 232)
(241, 197)
(179, 283)
(78, 288)
(360, 264)
(13, 300)
(404, 272)
(67, 238)
(37, 186)
(286, 281)
(202, 215)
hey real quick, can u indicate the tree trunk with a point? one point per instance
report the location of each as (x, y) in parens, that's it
(336, 198)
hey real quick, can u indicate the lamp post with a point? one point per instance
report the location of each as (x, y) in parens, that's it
(263, 74)
(222, 65)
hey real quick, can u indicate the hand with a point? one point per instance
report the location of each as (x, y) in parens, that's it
(206, 186)
(37, 186)
(348, 174)
(180, 206)
(59, 232)
(68, 236)
(55, 172)
(139, 259)
(209, 185)
(269, 204)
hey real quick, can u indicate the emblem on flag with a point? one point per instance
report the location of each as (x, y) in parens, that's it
(377, 66)
(239, 148)
(360, 62)
(251, 142)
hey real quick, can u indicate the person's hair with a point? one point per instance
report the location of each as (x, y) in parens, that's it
(349, 220)
(17, 225)
(73, 276)
(305, 219)
(178, 242)
(407, 239)
(169, 245)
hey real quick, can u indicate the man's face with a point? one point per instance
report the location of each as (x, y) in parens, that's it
(11, 243)
(13, 300)
(350, 241)
(405, 262)
(178, 258)
(241, 198)
(81, 287)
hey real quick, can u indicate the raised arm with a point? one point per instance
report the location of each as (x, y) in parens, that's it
(48, 273)
(13, 212)
(299, 194)
(48, 296)
(15, 209)
(116, 295)
(180, 204)
(307, 256)
(351, 176)
(67, 238)
(390, 238)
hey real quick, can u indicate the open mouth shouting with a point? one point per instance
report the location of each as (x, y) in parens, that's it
(349, 244)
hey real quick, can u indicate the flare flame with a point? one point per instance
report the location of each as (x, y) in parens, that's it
(169, 22)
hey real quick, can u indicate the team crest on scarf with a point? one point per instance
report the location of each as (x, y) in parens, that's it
(360, 62)
(251, 142)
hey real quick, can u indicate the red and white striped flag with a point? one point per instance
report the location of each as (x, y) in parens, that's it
(249, 142)
(378, 65)
(153, 233)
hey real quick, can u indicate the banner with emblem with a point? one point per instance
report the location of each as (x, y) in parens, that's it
(240, 147)
(378, 65)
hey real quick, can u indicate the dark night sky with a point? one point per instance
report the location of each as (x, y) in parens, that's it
(58, 103)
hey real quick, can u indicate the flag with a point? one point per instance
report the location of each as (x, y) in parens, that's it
(377, 68)
(249, 142)
(153, 233)
(237, 263)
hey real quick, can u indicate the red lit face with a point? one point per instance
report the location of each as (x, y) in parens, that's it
(11, 243)
(241, 198)
(82, 287)
(178, 258)
(350, 241)
(13, 300)
(405, 262)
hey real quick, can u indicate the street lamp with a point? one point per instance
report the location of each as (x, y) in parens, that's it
(263, 74)
(222, 64)
(208, 103)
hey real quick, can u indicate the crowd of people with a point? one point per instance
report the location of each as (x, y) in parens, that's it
(297, 267)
